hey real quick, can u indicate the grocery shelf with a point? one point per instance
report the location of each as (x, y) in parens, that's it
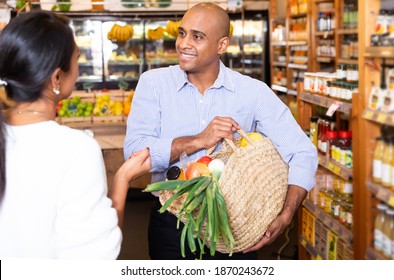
(383, 193)
(280, 64)
(347, 31)
(300, 15)
(279, 88)
(344, 233)
(336, 168)
(383, 52)
(325, 34)
(323, 1)
(379, 117)
(325, 101)
(279, 44)
(292, 92)
(372, 254)
(297, 43)
(298, 66)
(311, 250)
(347, 61)
(325, 59)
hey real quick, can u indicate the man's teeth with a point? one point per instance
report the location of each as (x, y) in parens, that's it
(188, 55)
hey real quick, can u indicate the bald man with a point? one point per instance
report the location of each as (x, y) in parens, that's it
(188, 108)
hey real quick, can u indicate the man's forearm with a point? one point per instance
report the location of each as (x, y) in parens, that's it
(295, 196)
(187, 144)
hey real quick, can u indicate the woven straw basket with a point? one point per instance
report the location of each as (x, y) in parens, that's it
(254, 186)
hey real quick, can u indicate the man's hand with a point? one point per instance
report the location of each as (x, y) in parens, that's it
(218, 128)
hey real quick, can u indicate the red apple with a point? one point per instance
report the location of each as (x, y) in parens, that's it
(197, 169)
(205, 160)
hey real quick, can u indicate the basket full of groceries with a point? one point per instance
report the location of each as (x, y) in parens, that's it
(229, 197)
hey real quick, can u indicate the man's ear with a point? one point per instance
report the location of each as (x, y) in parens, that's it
(223, 44)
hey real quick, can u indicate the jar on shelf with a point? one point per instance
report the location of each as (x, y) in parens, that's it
(332, 138)
(344, 144)
(352, 74)
(380, 219)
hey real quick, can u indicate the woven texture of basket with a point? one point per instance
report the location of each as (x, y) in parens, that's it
(254, 186)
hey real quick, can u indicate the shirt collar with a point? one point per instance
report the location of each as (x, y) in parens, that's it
(223, 79)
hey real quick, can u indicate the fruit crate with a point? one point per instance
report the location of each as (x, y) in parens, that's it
(78, 102)
(108, 107)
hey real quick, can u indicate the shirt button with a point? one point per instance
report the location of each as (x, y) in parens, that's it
(201, 101)
(203, 122)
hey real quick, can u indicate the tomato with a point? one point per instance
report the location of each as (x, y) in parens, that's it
(197, 169)
(205, 160)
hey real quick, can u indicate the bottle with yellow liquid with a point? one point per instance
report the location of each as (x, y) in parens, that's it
(386, 163)
(377, 160)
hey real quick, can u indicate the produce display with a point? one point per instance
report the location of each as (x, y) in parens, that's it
(120, 33)
(74, 108)
(99, 106)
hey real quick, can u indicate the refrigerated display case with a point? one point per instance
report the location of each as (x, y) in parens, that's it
(104, 63)
(248, 49)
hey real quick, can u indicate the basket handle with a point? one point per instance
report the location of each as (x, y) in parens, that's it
(231, 143)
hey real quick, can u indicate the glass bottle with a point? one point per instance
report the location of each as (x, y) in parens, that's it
(331, 141)
(323, 138)
(377, 160)
(175, 173)
(387, 228)
(314, 130)
(386, 163)
(378, 227)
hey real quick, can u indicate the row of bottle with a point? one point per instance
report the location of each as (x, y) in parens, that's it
(325, 21)
(384, 230)
(338, 201)
(330, 143)
(384, 29)
(350, 15)
(349, 47)
(382, 98)
(383, 162)
(298, 7)
(298, 30)
(326, 48)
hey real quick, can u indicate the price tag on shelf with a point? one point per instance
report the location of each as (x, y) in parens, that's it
(318, 257)
(331, 166)
(337, 170)
(334, 106)
(382, 117)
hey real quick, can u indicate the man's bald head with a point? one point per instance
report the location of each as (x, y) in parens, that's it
(214, 14)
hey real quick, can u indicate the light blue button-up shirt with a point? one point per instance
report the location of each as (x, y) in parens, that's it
(167, 106)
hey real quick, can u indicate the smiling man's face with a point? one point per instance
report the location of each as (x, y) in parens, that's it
(199, 41)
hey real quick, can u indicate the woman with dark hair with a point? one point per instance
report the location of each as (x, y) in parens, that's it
(53, 193)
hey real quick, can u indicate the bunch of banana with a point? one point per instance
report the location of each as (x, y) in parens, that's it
(230, 33)
(156, 34)
(172, 28)
(120, 33)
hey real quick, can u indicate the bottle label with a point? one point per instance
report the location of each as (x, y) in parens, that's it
(378, 240)
(377, 169)
(386, 174)
(386, 245)
(323, 147)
